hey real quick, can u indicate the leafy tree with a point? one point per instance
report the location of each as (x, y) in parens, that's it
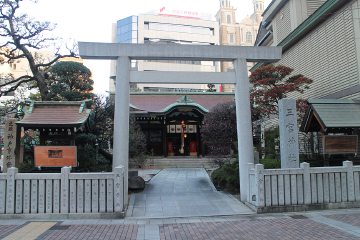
(102, 119)
(272, 83)
(103, 128)
(219, 130)
(20, 34)
(87, 156)
(70, 81)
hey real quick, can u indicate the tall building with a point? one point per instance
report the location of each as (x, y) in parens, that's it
(238, 34)
(167, 26)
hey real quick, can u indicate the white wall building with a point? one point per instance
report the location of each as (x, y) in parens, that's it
(167, 26)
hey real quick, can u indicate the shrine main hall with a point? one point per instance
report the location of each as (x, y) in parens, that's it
(171, 121)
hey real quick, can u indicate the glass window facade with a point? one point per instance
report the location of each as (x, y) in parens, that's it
(126, 31)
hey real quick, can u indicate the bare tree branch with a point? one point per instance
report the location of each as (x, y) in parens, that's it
(20, 33)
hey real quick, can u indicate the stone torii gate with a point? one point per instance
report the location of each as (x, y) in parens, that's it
(124, 53)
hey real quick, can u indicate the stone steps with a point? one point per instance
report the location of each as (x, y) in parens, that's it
(177, 162)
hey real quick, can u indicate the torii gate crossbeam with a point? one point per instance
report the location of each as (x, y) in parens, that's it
(123, 53)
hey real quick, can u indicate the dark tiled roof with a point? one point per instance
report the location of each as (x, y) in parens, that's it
(55, 114)
(157, 102)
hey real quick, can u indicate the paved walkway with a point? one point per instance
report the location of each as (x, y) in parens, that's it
(335, 224)
(183, 192)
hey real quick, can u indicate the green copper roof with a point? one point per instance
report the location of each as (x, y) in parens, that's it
(334, 113)
(182, 104)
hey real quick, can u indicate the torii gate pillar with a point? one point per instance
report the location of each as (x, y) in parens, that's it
(244, 126)
(121, 120)
(123, 53)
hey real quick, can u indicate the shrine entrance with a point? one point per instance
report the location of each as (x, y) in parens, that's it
(172, 121)
(175, 133)
(124, 53)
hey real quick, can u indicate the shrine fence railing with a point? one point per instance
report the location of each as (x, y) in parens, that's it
(304, 188)
(65, 193)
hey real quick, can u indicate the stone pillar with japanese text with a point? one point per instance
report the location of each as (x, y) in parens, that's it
(9, 143)
(289, 139)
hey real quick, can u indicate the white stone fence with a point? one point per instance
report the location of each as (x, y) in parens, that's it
(62, 194)
(304, 188)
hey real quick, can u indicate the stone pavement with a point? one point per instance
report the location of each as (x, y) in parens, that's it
(183, 192)
(330, 224)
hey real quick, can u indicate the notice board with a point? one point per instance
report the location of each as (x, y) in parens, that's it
(55, 156)
(340, 144)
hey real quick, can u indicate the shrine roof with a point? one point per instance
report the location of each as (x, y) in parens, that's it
(55, 114)
(158, 102)
(325, 114)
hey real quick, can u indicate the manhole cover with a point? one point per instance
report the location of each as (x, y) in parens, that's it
(59, 228)
(298, 217)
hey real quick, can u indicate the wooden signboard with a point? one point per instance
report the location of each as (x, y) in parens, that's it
(340, 144)
(55, 156)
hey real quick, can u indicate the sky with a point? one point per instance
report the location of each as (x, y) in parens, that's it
(90, 21)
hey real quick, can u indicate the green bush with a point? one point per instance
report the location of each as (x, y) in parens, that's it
(27, 165)
(227, 174)
(217, 177)
(270, 163)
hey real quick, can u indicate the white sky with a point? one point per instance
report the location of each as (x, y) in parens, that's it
(90, 21)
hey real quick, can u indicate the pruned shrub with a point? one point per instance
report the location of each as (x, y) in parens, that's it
(227, 176)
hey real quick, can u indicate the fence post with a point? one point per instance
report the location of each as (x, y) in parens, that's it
(10, 190)
(64, 199)
(2, 196)
(259, 184)
(306, 178)
(249, 166)
(119, 189)
(350, 180)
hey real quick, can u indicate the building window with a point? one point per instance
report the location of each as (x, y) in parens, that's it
(248, 37)
(228, 19)
(231, 38)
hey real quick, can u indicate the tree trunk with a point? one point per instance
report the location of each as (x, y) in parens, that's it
(39, 77)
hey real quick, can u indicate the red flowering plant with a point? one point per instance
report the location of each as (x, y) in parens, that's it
(219, 131)
(272, 83)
